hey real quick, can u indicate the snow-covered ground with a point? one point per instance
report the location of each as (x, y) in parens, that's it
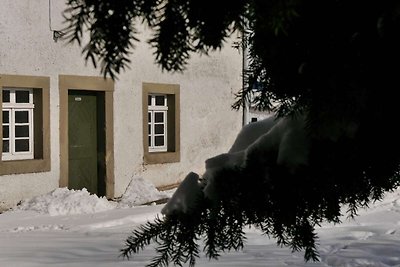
(68, 228)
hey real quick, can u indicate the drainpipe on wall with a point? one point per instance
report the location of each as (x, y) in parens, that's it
(245, 66)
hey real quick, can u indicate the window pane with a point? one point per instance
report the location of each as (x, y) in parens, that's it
(159, 129)
(160, 100)
(6, 146)
(6, 116)
(6, 132)
(159, 140)
(159, 117)
(22, 131)
(6, 96)
(21, 116)
(149, 129)
(149, 117)
(21, 145)
(150, 141)
(149, 100)
(22, 96)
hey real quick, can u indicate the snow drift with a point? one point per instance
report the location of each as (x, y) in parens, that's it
(64, 201)
(274, 142)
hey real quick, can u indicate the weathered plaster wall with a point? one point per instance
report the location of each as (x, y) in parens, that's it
(207, 88)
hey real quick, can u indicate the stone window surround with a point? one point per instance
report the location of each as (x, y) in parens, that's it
(173, 92)
(41, 87)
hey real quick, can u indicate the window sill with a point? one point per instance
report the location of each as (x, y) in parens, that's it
(24, 166)
(161, 157)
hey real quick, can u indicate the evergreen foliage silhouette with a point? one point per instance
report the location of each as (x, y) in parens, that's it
(333, 62)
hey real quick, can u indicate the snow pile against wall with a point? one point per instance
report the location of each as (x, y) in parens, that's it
(140, 191)
(63, 201)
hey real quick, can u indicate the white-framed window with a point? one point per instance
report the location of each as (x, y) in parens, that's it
(17, 123)
(157, 122)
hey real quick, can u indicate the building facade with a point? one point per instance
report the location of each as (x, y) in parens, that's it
(64, 125)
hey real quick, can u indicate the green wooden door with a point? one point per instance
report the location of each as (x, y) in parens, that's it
(82, 141)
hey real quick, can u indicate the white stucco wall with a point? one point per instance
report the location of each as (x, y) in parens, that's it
(207, 88)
